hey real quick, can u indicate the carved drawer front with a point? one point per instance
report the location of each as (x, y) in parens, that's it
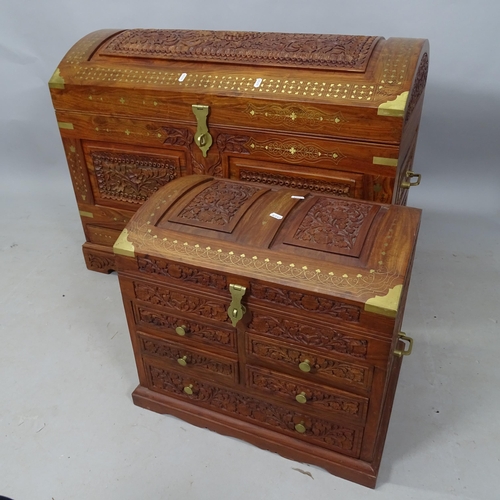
(308, 397)
(307, 364)
(325, 337)
(295, 302)
(311, 179)
(345, 439)
(188, 329)
(172, 299)
(102, 235)
(183, 275)
(188, 359)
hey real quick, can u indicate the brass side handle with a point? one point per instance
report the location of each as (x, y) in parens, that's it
(182, 361)
(300, 428)
(189, 389)
(405, 352)
(236, 310)
(305, 366)
(409, 184)
(202, 138)
(301, 398)
(181, 330)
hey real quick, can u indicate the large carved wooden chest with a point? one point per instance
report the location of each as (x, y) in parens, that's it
(270, 314)
(327, 113)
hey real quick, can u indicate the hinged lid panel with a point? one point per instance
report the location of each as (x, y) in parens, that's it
(347, 86)
(355, 250)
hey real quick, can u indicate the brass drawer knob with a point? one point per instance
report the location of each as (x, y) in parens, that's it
(405, 338)
(189, 389)
(305, 366)
(301, 398)
(181, 330)
(301, 428)
(182, 361)
(409, 184)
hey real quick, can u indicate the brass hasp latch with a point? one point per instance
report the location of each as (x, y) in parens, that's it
(236, 310)
(202, 138)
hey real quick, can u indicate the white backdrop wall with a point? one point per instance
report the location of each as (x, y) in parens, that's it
(458, 149)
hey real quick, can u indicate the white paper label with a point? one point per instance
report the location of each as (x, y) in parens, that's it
(276, 216)
(257, 83)
(182, 77)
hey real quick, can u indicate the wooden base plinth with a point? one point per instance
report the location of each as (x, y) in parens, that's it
(99, 258)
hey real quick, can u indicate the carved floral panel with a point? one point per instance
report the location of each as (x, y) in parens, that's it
(262, 413)
(129, 177)
(320, 337)
(305, 302)
(344, 52)
(206, 333)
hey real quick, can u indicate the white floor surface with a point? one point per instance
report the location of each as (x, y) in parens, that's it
(69, 430)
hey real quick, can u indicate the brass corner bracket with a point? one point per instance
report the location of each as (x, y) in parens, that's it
(123, 246)
(386, 305)
(394, 108)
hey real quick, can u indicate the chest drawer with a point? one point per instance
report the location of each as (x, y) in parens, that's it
(170, 298)
(307, 364)
(188, 359)
(176, 326)
(310, 335)
(306, 396)
(322, 432)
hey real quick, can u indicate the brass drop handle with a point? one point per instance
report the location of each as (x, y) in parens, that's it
(305, 366)
(301, 428)
(301, 398)
(182, 361)
(405, 338)
(189, 389)
(409, 184)
(181, 330)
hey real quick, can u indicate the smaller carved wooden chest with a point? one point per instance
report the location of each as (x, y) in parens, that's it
(270, 314)
(333, 114)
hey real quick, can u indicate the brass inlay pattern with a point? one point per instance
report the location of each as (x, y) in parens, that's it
(349, 91)
(65, 125)
(294, 114)
(77, 170)
(392, 77)
(389, 162)
(374, 281)
(80, 52)
(90, 215)
(295, 152)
